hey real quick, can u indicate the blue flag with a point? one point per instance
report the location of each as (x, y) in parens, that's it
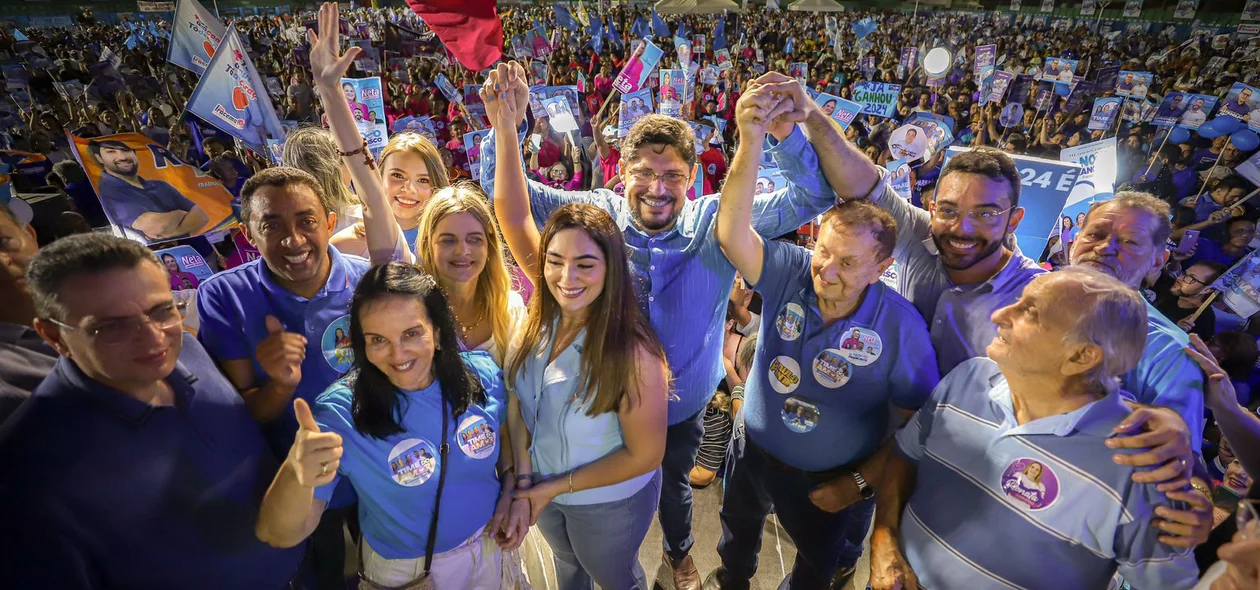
(597, 35)
(658, 26)
(610, 30)
(133, 41)
(565, 18)
(195, 35)
(682, 30)
(719, 35)
(640, 28)
(231, 96)
(788, 48)
(18, 35)
(864, 27)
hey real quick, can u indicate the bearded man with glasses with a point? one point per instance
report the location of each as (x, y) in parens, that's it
(135, 464)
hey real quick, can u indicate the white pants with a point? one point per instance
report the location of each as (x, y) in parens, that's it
(477, 564)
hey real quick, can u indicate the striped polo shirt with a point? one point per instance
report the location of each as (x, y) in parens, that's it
(1039, 505)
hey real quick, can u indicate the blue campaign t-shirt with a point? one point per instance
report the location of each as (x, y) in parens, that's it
(817, 396)
(125, 202)
(396, 478)
(233, 306)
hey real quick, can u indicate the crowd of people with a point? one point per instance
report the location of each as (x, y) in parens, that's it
(440, 348)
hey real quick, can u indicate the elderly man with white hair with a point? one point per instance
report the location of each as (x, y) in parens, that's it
(1018, 439)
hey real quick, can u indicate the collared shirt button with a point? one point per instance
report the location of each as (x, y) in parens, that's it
(651, 298)
(653, 267)
(938, 321)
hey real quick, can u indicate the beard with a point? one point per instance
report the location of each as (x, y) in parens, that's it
(983, 250)
(1131, 277)
(654, 223)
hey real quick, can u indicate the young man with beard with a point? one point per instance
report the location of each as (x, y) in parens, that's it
(684, 280)
(151, 207)
(135, 464)
(840, 345)
(1184, 296)
(271, 324)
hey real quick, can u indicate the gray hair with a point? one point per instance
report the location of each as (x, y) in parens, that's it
(1142, 201)
(1110, 316)
(78, 255)
(314, 150)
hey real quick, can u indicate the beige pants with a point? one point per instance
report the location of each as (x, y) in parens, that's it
(477, 564)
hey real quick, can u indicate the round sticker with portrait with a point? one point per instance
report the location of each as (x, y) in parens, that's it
(831, 369)
(908, 142)
(412, 462)
(790, 322)
(799, 415)
(1030, 483)
(861, 346)
(476, 437)
(335, 344)
(784, 374)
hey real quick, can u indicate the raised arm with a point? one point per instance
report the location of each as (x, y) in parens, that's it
(327, 69)
(511, 201)
(290, 512)
(735, 233)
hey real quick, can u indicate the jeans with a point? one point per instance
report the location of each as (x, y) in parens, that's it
(824, 541)
(599, 543)
(682, 443)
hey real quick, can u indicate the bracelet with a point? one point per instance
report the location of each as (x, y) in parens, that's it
(367, 155)
(571, 481)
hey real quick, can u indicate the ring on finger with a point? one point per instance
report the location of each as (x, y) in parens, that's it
(323, 469)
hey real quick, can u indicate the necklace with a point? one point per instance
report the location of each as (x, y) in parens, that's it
(463, 329)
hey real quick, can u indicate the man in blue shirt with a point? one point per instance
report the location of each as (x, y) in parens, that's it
(837, 350)
(151, 207)
(272, 324)
(684, 281)
(1019, 440)
(135, 463)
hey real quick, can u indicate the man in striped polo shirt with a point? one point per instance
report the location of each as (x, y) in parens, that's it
(1003, 478)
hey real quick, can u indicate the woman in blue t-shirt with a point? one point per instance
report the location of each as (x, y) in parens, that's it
(417, 428)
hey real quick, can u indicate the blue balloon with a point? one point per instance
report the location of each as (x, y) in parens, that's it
(1245, 140)
(1227, 124)
(1179, 135)
(1211, 130)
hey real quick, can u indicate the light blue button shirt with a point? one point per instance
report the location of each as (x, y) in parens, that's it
(682, 278)
(1166, 375)
(563, 436)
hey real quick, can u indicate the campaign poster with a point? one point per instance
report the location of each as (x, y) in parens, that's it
(227, 97)
(195, 34)
(1045, 187)
(939, 129)
(1242, 102)
(1185, 9)
(1240, 286)
(1096, 180)
(368, 107)
(800, 71)
(841, 110)
(634, 106)
(673, 89)
(723, 59)
(1047, 5)
(1015, 4)
(448, 90)
(908, 61)
(641, 64)
(709, 76)
(422, 125)
(1058, 69)
(1251, 11)
(1184, 109)
(147, 193)
(1088, 7)
(908, 142)
(1001, 82)
(475, 106)
(1104, 113)
(185, 267)
(877, 98)
(472, 148)
(1131, 84)
(560, 114)
(1107, 77)
(899, 177)
(699, 45)
(1132, 9)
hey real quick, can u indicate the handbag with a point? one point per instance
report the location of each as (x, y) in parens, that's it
(425, 581)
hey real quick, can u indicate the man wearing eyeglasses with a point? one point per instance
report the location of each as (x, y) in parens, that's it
(135, 464)
(683, 279)
(1181, 298)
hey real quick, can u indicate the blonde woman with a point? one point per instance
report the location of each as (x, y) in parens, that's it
(313, 149)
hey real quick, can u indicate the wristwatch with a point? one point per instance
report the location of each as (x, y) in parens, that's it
(864, 489)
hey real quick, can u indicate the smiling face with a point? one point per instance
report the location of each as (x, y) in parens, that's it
(118, 160)
(347, 90)
(459, 248)
(291, 229)
(1117, 241)
(845, 261)
(574, 270)
(408, 185)
(400, 340)
(967, 241)
(656, 204)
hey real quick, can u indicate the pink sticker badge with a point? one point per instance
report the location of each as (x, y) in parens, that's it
(1031, 483)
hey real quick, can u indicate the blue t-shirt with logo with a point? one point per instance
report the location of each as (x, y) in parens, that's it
(396, 478)
(817, 397)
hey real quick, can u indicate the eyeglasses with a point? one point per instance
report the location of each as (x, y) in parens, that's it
(951, 215)
(118, 331)
(1193, 278)
(644, 176)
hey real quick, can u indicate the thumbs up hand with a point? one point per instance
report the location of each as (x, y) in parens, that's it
(281, 353)
(314, 456)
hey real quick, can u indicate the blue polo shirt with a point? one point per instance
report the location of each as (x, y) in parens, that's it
(1000, 504)
(1166, 375)
(125, 202)
(817, 396)
(396, 478)
(233, 306)
(101, 490)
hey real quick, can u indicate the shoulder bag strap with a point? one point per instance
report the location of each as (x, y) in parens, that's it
(443, 450)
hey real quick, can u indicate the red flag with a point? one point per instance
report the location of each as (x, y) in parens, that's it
(471, 29)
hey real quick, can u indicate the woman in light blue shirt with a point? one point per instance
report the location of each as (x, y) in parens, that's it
(588, 409)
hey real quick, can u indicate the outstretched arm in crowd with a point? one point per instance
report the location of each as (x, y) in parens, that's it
(290, 511)
(327, 67)
(511, 202)
(1238, 425)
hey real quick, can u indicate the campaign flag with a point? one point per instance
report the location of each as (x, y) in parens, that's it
(877, 98)
(148, 194)
(1132, 9)
(610, 29)
(640, 65)
(634, 105)
(1240, 286)
(448, 89)
(640, 28)
(472, 148)
(1045, 189)
(788, 48)
(113, 59)
(682, 30)
(719, 35)
(1184, 109)
(132, 42)
(195, 35)
(841, 110)
(582, 17)
(597, 35)
(1001, 82)
(1186, 9)
(1103, 116)
(565, 18)
(658, 26)
(673, 90)
(1131, 84)
(470, 29)
(1107, 76)
(18, 35)
(864, 27)
(1096, 181)
(1242, 102)
(226, 97)
(560, 114)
